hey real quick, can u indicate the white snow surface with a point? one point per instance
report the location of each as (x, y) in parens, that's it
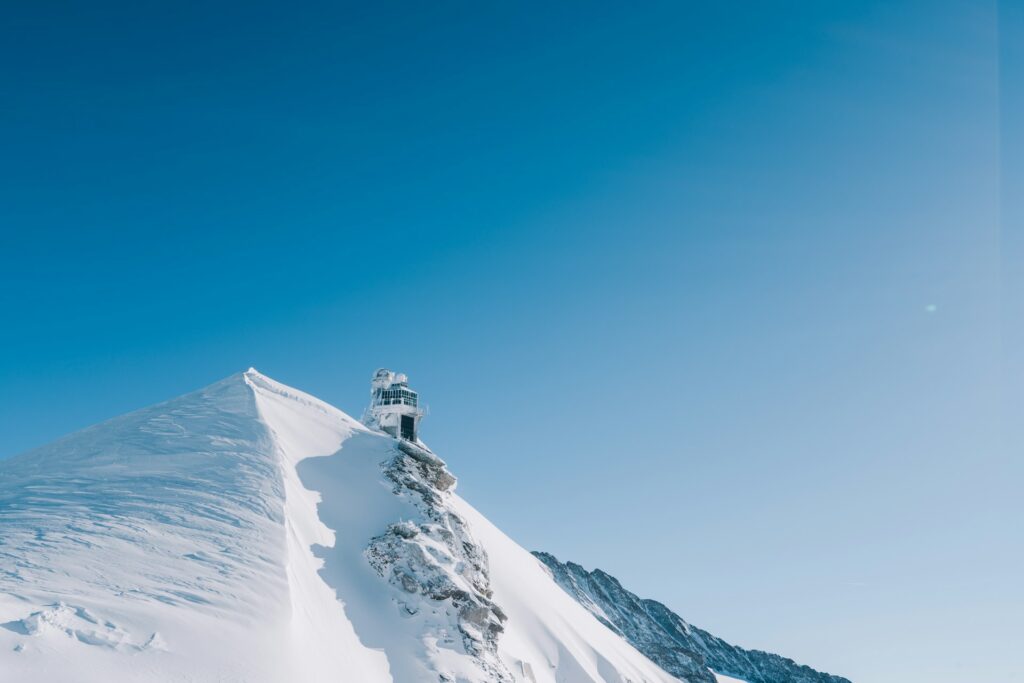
(220, 536)
(727, 679)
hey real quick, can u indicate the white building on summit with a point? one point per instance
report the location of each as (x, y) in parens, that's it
(394, 407)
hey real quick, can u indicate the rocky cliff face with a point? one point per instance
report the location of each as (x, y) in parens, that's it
(682, 650)
(434, 562)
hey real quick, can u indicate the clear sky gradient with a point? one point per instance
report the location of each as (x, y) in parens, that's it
(712, 296)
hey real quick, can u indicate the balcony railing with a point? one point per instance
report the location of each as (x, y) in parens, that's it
(396, 397)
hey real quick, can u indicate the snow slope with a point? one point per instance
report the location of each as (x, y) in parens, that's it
(250, 532)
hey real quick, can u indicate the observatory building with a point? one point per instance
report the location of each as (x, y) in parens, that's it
(394, 407)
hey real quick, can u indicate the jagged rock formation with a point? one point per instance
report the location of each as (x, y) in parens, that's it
(434, 561)
(682, 650)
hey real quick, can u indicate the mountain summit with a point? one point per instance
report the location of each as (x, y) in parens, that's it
(251, 532)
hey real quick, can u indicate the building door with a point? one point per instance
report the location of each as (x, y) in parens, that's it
(408, 428)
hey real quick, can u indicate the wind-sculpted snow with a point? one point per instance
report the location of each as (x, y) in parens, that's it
(108, 535)
(681, 649)
(191, 482)
(249, 532)
(161, 534)
(80, 624)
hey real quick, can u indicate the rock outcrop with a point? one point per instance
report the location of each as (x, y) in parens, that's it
(434, 562)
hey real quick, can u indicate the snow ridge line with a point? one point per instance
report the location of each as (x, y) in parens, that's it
(323, 639)
(258, 381)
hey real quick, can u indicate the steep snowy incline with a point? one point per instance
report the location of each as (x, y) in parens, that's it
(153, 547)
(546, 631)
(250, 532)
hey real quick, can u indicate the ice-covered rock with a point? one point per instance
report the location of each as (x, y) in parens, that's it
(435, 562)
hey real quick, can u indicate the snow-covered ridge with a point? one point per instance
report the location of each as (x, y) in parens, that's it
(228, 535)
(680, 648)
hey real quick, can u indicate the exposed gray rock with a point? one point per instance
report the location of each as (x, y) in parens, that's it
(435, 563)
(684, 651)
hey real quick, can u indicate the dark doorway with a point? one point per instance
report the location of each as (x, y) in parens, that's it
(408, 428)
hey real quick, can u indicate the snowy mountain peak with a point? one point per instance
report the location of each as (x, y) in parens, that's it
(249, 531)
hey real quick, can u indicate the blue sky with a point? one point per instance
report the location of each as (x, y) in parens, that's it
(711, 296)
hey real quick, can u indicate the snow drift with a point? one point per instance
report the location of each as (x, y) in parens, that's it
(250, 532)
